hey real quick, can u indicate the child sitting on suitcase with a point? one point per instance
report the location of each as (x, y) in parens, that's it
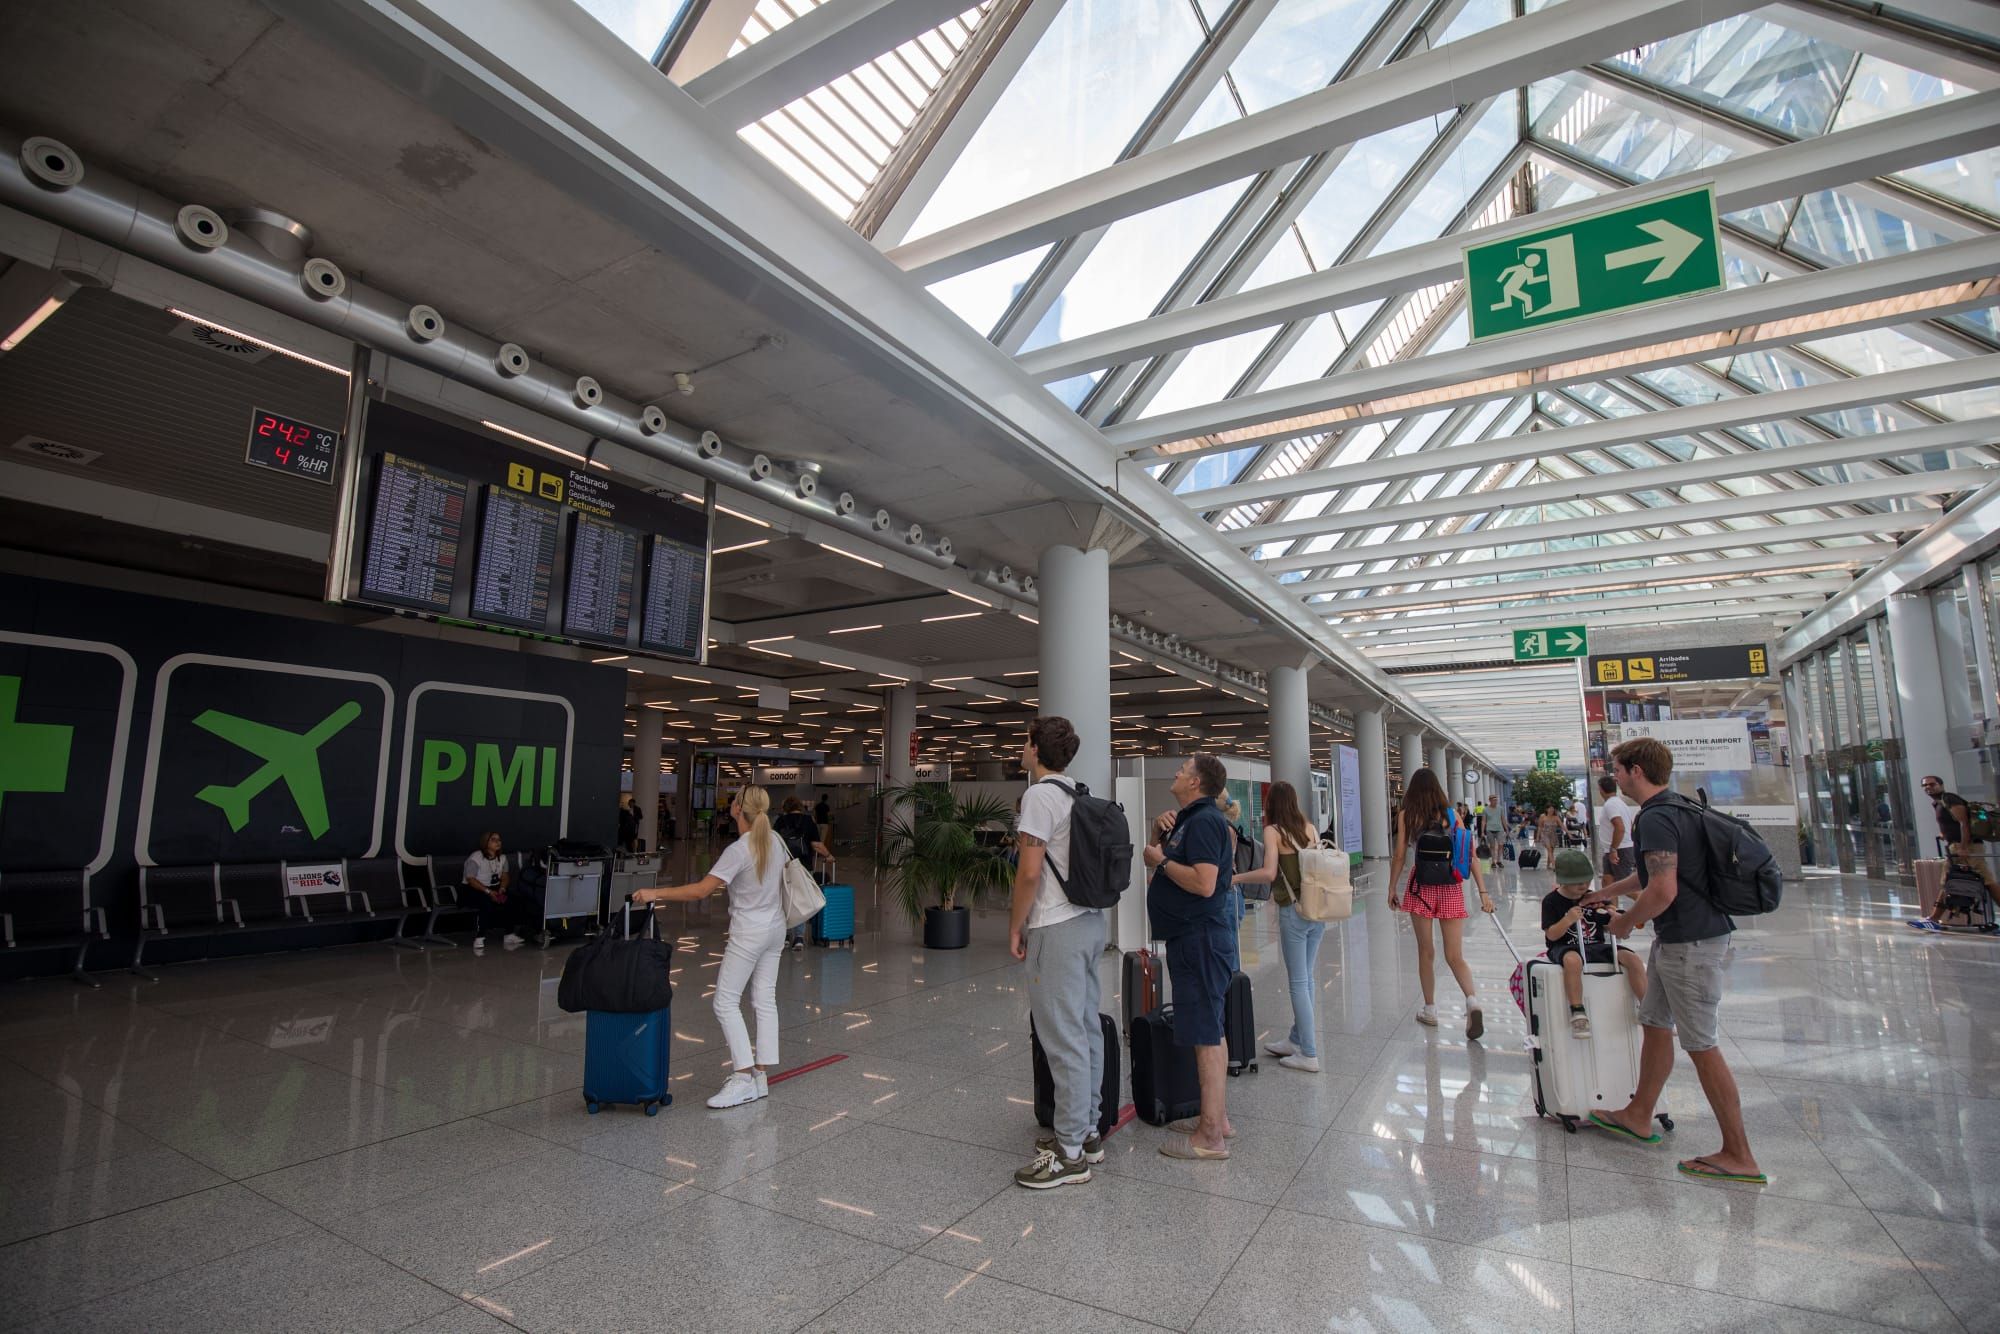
(1561, 911)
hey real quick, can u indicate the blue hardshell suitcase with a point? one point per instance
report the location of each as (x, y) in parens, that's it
(625, 1059)
(835, 922)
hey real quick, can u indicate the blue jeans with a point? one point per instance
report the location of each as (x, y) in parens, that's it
(1300, 940)
(1233, 907)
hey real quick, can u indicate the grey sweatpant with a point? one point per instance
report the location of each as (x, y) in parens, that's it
(1062, 997)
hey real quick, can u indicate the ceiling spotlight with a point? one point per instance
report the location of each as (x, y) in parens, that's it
(683, 383)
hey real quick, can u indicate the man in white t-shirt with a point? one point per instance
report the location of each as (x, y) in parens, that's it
(1614, 830)
(1061, 943)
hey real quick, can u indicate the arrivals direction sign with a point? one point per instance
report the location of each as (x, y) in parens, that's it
(1550, 643)
(1729, 662)
(1548, 759)
(1655, 250)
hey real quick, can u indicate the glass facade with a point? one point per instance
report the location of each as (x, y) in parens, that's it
(1850, 705)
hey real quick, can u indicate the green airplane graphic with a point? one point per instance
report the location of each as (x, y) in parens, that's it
(291, 756)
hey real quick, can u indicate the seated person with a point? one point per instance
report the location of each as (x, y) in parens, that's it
(1561, 911)
(491, 892)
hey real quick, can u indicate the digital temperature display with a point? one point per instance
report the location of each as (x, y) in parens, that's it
(292, 446)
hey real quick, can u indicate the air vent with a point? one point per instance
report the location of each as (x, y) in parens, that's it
(924, 659)
(43, 447)
(218, 342)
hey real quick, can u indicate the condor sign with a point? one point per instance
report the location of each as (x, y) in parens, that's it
(476, 759)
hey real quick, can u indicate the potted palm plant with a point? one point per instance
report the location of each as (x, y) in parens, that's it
(933, 861)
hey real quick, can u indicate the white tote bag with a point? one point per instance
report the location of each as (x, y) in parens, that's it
(802, 895)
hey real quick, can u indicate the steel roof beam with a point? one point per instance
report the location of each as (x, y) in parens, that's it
(1539, 45)
(1945, 129)
(1455, 620)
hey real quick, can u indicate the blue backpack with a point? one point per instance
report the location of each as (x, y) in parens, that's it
(1461, 851)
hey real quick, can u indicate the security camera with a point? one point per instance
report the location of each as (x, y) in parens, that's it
(511, 360)
(424, 323)
(202, 228)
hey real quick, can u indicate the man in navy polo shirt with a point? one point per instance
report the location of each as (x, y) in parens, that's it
(1187, 901)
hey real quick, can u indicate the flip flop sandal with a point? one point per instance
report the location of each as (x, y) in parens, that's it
(1603, 1122)
(1703, 1170)
(1188, 1149)
(1187, 1125)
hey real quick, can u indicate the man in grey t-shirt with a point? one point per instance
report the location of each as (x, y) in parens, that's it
(1684, 977)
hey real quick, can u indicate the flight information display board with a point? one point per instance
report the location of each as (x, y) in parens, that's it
(413, 543)
(516, 561)
(551, 547)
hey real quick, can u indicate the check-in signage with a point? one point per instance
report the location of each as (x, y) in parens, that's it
(1730, 662)
(1651, 251)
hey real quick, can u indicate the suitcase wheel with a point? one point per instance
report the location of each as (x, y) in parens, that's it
(1666, 1122)
(652, 1109)
(592, 1106)
(1569, 1123)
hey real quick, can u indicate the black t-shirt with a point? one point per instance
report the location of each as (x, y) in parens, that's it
(798, 831)
(1947, 822)
(1663, 825)
(1556, 906)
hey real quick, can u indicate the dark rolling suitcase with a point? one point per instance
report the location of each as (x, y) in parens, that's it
(1530, 858)
(1164, 1084)
(1139, 986)
(625, 1059)
(1239, 1026)
(1107, 1096)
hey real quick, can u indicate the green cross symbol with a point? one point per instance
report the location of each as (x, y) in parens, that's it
(34, 757)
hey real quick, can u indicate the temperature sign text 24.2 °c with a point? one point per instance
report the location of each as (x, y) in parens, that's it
(290, 445)
(1655, 250)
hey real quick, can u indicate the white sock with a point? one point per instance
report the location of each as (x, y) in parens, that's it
(1071, 1152)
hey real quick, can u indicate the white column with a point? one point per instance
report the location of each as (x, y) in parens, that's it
(1413, 756)
(1291, 731)
(1075, 655)
(899, 721)
(1437, 765)
(646, 774)
(1920, 703)
(1368, 739)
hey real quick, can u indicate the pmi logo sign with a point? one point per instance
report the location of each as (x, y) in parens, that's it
(478, 759)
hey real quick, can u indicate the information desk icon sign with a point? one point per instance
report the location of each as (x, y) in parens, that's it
(1658, 249)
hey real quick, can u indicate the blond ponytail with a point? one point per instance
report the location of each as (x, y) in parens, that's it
(756, 804)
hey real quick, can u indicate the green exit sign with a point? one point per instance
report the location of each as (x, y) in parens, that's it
(1655, 250)
(1550, 643)
(1548, 759)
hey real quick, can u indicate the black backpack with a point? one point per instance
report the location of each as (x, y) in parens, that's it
(1100, 850)
(1742, 878)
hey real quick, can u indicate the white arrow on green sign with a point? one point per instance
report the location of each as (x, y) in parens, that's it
(1550, 643)
(1654, 250)
(1548, 759)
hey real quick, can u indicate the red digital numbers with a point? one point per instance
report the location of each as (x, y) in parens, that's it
(284, 455)
(264, 427)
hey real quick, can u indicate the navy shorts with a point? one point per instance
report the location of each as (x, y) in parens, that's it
(1199, 969)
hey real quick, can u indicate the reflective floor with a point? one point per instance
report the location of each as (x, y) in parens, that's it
(366, 1139)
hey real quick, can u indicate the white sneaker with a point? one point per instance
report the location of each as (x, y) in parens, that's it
(1280, 1048)
(763, 1078)
(1309, 1064)
(739, 1089)
(513, 941)
(479, 944)
(1427, 1015)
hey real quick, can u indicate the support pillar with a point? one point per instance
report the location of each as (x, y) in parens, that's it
(1437, 765)
(899, 723)
(1075, 655)
(1368, 739)
(1291, 731)
(1920, 699)
(1413, 756)
(646, 773)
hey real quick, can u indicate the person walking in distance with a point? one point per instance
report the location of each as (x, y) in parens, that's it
(1690, 956)
(1285, 834)
(751, 869)
(1060, 942)
(1434, 893)
(1614, 830)
(1954, 822)
(1185, 898)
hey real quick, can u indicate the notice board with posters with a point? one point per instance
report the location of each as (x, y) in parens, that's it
(139, 730)
(457, 525)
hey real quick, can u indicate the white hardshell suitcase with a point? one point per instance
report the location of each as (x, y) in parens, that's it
(1573, 1076)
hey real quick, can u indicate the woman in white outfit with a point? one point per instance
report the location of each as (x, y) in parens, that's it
(751, 868)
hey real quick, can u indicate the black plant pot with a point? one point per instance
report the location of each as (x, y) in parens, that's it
(947, 928)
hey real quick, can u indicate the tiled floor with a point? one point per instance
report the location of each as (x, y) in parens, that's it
(363, 1139)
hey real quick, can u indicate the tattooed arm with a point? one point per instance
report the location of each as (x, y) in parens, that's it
(1662, 887)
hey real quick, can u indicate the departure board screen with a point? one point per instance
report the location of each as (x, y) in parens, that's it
(554, 545)
(603, 558)
(516, 563)
(413, 542)
(676, 583)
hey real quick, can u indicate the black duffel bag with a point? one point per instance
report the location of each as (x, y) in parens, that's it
(620, 976)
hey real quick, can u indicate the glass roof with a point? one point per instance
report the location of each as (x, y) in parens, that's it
(1356, 443)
